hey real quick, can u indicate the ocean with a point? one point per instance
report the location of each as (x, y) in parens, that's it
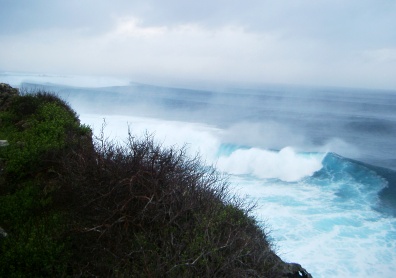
(319, 162)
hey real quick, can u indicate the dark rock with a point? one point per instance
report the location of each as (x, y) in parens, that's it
(293, 270)
(23, 125)
(6, 94)
(3, 233)
(3, 143)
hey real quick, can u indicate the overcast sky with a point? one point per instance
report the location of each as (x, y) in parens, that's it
(314, 42)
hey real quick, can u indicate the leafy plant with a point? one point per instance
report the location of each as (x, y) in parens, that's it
(38, 129)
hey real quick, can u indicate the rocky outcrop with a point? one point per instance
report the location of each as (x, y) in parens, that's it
(3, 233)
(6, 94)
(293, 270)
(290, 270)
(3, 143)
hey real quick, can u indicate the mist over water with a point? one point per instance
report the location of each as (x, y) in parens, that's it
(319, 162)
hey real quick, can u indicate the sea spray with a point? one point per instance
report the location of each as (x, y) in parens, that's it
(285, 164)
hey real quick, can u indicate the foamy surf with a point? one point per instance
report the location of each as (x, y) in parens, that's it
(321, 207)
(285, 165)
(330, 221)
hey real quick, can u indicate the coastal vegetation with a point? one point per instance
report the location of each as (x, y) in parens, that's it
(72, 204)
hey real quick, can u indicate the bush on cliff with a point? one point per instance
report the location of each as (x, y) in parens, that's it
(74, 206)
(145, 210)
(38, 128)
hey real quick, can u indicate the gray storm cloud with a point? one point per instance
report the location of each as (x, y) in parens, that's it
(342, 43)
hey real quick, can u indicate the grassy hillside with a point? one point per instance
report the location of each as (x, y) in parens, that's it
(82, 207)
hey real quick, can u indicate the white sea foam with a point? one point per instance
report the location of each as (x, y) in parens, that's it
(285, 165)
(331, 232)
(197, 138)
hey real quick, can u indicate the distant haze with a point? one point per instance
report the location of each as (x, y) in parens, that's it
(322, 42)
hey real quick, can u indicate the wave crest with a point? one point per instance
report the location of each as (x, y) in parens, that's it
(285, 165)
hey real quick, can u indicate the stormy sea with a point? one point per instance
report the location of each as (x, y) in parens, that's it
(319, 162)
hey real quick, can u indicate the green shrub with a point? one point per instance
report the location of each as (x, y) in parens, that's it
(37, 125)
(145, 209)
(39, 128)
(34, 248)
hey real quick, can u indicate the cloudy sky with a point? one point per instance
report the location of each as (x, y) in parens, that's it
(314, 42)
